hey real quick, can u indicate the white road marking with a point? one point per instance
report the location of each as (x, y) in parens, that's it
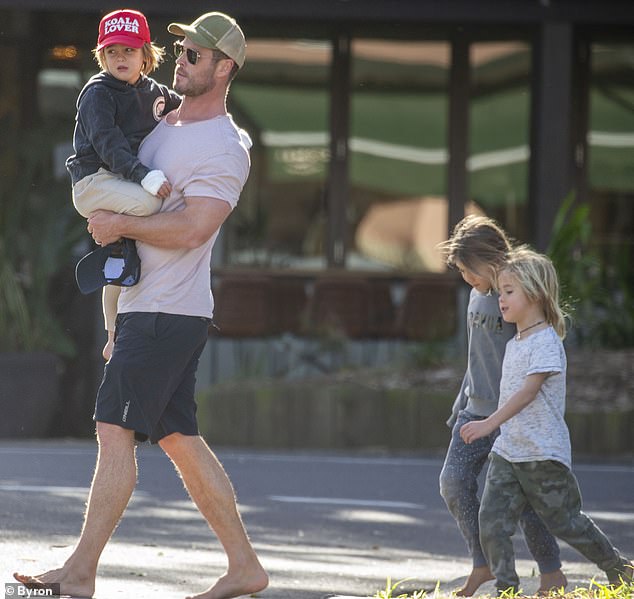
(343, 501)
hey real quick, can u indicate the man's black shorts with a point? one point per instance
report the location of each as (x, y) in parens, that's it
(148, 384)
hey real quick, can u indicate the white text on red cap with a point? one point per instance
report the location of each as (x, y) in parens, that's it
(121, 24)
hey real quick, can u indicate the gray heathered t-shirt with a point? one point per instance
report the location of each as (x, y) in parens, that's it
(539, 431)
(487, 334)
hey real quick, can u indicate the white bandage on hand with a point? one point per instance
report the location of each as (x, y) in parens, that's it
(152, 181)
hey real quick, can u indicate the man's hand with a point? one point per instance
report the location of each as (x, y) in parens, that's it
(102, 225)
(108, 347)
(188, 227)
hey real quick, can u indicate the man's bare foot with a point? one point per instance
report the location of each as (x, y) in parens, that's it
(551, 581)
(68, 584)
(477, 577)
(235, 584)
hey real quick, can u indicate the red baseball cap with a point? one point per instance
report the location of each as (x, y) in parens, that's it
(128, 27)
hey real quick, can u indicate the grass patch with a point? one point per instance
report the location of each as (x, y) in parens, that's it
(594, 590)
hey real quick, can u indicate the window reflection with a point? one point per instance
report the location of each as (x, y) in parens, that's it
(499, 132)
(397, 210)
(10, 103)
(281, 98)
(611, 146)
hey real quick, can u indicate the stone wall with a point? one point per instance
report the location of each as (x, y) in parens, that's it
(403, 410)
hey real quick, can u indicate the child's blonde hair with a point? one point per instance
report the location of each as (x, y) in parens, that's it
(153, 56)
(537, 276)
(478, 242)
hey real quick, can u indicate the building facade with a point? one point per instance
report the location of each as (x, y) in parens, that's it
(377, 124)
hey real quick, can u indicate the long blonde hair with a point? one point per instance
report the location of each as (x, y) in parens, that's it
(477, 242)
(537, 276)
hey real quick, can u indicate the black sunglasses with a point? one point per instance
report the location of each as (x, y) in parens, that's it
(193, 56)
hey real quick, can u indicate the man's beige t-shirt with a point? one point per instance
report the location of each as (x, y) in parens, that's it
(203, 159)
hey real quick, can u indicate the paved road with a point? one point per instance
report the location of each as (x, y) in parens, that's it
(322, 523)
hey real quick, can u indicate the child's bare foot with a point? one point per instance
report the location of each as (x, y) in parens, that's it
(476, 578)
(235, 584)
(551, 581)
(68, 584)
(623, 574)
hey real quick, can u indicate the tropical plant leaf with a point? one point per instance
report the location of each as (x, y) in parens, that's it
(38, 230)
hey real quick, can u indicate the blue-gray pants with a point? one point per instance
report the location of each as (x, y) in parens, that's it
(553, 492)
(459, 489)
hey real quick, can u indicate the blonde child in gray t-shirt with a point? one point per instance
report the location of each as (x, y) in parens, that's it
(531, 458)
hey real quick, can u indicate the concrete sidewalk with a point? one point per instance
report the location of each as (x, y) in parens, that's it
(323, 524)
(159, 570)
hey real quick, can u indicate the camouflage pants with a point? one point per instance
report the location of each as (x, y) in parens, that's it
(459, 488)
(553, 492)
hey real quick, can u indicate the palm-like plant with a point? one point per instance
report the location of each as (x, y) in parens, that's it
(597, 288)
(38, 230)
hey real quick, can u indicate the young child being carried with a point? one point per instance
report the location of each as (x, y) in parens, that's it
(530, 463)
(116, 109)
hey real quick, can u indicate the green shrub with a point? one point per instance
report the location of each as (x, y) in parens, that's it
(597, 289)
(38, 230)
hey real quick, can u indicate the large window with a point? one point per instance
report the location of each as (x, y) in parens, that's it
(611, 147)
(282, 98)
(397, 207)
(499, 132)
(11, 98)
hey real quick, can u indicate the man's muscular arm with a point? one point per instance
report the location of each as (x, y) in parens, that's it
(184, 229)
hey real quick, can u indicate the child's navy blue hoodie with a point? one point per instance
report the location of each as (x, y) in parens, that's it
(113, 117)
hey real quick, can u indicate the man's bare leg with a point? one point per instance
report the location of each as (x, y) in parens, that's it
(476, 578)
(212, 492)
(110, 491)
